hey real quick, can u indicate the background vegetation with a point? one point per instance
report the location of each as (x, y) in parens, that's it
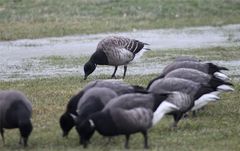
(44, 18)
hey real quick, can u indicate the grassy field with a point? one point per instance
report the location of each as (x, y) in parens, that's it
(215, 129)
(44, 18)
(213, 53)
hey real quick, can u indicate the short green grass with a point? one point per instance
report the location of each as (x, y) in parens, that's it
(205, 54)
(214, 129)
(44, 18)
(60, 61)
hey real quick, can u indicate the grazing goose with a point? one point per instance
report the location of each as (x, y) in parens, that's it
(133, 113)
(93, 100)
(208, 68)
(120, 87)
(200, 77)
(15, 112)
(114, 51)
(200, 93)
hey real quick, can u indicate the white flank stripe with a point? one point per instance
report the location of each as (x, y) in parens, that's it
(204, 100)
(164, 108)
(225, 88)
(221, 76)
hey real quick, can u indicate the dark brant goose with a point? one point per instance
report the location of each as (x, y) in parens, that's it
(114, 51)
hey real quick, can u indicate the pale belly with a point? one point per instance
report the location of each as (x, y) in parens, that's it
(119, 58)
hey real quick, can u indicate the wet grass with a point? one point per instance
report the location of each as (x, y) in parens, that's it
(205, 54)
(158, 56)
(44, 18)
(215, 129)
(60, 61)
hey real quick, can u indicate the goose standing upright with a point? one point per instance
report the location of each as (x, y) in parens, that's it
(114, 51)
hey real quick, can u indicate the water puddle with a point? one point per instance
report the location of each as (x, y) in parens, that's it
(21, 59)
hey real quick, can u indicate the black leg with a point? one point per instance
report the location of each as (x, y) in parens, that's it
(145, 139)
(20, 141)
(125, 70)
(126, 142)
(176, 117)
(115, 70)
(2, 134)
(25, 139)
(186, 115)
(85, 144)
(194, 114)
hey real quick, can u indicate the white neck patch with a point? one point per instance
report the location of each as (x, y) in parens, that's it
(91, 123)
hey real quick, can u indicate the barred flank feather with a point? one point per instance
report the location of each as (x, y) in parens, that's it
(114, 51)
(113, 42)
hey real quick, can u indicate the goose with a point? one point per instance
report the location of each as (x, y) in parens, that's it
(135, 112)
(93, 100)
(114, 51)
(208, 68)
(200, 77)
(15, 112)
(66, 120)
(201, 94)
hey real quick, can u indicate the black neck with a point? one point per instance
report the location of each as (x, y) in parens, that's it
(151, 82)
(204, 89)
(104, 123)
(215, 82)
(99, 57)
(159, 98)
(72, 104)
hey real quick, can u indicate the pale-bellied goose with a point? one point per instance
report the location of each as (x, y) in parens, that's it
(114, 51)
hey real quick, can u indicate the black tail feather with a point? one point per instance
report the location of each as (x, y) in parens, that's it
(222, 68)
(139, 89)
(215, 82)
